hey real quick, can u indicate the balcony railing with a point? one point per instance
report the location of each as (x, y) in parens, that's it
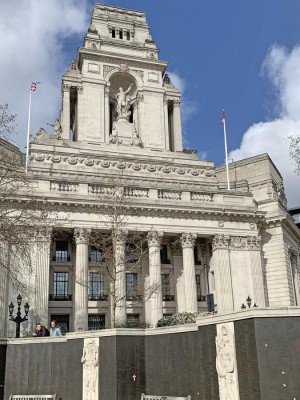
(94, 297)
(60, 297)
(61, 257)
(164, 260)
(168, 297)
(134, 297)
(201, 298)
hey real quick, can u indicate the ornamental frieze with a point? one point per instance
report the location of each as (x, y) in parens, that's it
(236, 242)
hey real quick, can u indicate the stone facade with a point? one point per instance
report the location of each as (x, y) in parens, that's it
(118, 146)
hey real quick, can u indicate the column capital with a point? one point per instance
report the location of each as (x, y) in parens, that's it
(292, 252)
(43, 234)
(187, 240)
(176, 103)
(82, 235)
(154, 238)
(220, 242)
(65, 87)
(245, 242)
(121, 236)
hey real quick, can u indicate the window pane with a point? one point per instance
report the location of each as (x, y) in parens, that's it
(96, 322)
(96, 287)
(131, 284)
(60, 283)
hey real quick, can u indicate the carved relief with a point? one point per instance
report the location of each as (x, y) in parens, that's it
(65, 87)
(89, 361)
(123, 68)
(154, 238)
(138, 72)
(80, 89)
(188, 240)
(44, 235)
(226, 363)
(82, 236)
(107, 69)
(220, 242)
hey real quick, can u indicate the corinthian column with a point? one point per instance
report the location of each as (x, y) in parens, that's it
(42, 262)
(179, 277)
(223, 278)
(177, 126)
(119, 295)
(155, 290)
(66, 112)
(187, 242)
(4, 261)
(82, 237)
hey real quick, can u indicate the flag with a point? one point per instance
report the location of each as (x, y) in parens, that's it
(33, 86)
(223, 117)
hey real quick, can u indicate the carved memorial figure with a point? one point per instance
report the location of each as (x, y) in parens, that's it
(90, 370)
(226, 365)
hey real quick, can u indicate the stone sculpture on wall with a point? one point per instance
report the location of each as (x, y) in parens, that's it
(123, 103)
(90, 369)
(226, 363)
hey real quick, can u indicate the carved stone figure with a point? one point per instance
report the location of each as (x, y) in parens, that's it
(40, 137)
(90, 370)
(226, 365)
(123, 102)
(57, 130)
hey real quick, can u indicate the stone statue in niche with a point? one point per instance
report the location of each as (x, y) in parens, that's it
(90, 370)
(226, 365)
(123, 103)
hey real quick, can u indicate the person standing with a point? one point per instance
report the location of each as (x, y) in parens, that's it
(54, 329)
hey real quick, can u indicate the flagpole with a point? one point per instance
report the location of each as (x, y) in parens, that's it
(226, 155)
(28, 133)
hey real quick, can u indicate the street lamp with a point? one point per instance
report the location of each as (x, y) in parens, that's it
(18, 319)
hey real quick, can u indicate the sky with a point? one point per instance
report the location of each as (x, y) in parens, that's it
(243, 56)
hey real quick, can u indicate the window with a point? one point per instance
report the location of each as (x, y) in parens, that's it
(61, 251)
(165, 285)
(164, 254)
(128, 35)
(198, 286)
(196, 257)
(60, 286)
(62, 321)
(113, 33)
(96, 287)
(121, 34)
(96, 322)
(95, 254)
(133, 320)
(131, 286)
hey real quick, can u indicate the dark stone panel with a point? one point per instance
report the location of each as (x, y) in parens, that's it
(17, 369)
(3, 348)
(59, 368)
(107, 368)
(246, 357)
(278, 353)
(39, 368)
(74, 351)
(130, 367)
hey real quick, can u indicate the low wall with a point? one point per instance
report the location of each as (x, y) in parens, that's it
(177, 361)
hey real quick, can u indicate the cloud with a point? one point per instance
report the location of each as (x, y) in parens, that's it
(31, 48)
(282, 68)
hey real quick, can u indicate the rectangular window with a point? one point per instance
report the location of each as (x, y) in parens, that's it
(131, 286)
(96, 322)
(63, 321)
(165, 286)
(60, 286)
(113, 33)
(164, 254)
(121, 34)
(96, 287)
(95, 254)
(61, 251)
(198, 286)
(196, 257)
(133, 320)
(128, 35)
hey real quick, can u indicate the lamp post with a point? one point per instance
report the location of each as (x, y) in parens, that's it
(18, 319)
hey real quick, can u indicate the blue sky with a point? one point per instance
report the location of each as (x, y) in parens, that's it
(237, 55)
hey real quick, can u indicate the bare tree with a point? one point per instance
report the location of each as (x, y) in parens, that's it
(118, 250)
(22, 211)
(294, 148)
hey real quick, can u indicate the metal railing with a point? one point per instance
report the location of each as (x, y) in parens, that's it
(60, 297)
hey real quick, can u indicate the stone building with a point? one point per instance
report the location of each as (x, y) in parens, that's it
(208, 247)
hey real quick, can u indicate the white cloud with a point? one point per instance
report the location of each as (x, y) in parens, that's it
(283, 70)
(31, 49)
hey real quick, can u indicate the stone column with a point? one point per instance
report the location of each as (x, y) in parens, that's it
(42, 270)
(177, 126)
(119, 300)
(81, 134)
(141, 117)
(155, 289)
(80, 302)
(222, 272)
(293, 256)
(66, 112)
(166, 118)
(179, 277)
(107, 114)
(4, 265)
(254, 248)
(188, 242)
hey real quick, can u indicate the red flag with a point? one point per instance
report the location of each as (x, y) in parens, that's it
(223, 117)
(33, 86)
